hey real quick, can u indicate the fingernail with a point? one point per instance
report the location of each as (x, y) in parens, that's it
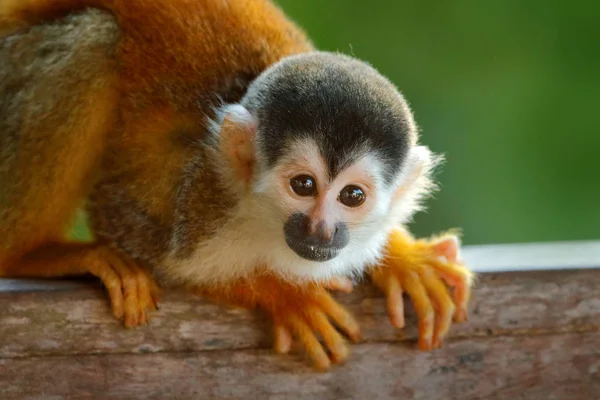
(398, 321)
(425, 344)
(461, 315)
(340, 354)
(356, 336)
(322, 365)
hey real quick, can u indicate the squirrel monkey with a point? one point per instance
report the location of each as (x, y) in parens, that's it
(218, 150)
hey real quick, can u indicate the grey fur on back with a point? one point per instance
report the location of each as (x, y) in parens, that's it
(46, 71)
(40, 65)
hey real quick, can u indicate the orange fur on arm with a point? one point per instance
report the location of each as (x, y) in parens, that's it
(263, 291)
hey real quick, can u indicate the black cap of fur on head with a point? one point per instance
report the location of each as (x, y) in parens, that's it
(343, 104)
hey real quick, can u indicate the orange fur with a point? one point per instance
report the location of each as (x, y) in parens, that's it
(298, 309)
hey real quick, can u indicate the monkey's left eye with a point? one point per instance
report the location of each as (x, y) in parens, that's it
(352, 196)
(304, 185)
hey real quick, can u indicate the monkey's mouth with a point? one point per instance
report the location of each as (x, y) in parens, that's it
(313, 252)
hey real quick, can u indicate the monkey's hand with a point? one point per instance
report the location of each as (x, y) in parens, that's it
(302, 311)
(133, 292)
(420, 268)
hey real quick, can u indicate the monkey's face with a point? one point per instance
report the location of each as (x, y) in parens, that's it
(323, 210)
(337, 164)
(327, 223)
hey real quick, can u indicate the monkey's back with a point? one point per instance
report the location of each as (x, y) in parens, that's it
(44, 71)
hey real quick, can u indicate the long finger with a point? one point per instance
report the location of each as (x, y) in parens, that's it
(112, 283)
(442, 303)
(411, 283)
(130, 294)
(461, 279)
(283, 339)
(311, 345)
(336, 344)
(390, 285)
(146, 303)
(339, 315)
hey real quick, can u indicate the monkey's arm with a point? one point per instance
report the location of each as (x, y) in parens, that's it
(420, 268)
(304, 310)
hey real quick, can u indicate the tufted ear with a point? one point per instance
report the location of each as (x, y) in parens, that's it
(416, 175)
(236, 141)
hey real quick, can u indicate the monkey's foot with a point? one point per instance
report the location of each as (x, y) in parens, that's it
(304, 312)
(420, 268)
(132, 291)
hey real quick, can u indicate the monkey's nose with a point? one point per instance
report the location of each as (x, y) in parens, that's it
(319, 233)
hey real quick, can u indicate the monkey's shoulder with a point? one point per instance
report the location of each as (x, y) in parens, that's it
(47, 72)
(47, 66)
(77, 40)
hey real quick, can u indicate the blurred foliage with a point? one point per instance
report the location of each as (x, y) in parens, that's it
(508, 90)
(80, 231)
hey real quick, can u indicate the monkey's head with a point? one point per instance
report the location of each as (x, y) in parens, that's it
(328, 149)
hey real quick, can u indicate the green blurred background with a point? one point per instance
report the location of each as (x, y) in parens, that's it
(508, 90)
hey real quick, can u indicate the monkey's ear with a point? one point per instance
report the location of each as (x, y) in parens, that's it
(236, 141)
(417, 171)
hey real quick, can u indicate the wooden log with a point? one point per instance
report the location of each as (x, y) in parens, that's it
(67, 322)
(565, 366)
(531, 335)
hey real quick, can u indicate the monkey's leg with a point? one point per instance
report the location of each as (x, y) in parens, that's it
(132, 291)
(420, 268)
(306, 311)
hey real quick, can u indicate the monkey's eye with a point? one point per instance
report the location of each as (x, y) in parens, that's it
(304, 185)
(352, 196)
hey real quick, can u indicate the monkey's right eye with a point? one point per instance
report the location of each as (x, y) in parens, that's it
(304, 185)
